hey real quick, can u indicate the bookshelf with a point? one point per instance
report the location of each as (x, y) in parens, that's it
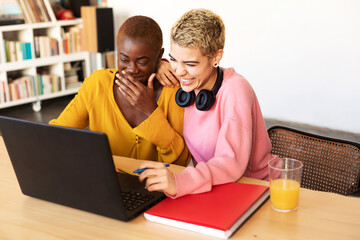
(52, 64)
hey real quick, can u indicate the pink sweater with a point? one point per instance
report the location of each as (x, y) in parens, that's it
(228, 141)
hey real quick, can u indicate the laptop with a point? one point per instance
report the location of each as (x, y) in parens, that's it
(73, 167)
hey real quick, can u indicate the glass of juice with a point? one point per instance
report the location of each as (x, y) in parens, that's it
(285, 180)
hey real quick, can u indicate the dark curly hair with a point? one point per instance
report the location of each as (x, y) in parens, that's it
(142, 28)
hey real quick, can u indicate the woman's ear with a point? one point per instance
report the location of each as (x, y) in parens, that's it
(218, 56)
(161, 53)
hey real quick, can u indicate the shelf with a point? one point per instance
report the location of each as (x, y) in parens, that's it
(52, 65)
(39, 62)
(19, 27)
(39, 98)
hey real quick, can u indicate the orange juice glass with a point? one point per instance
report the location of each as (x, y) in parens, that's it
(285, 180)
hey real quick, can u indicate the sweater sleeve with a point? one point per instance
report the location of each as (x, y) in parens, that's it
(76, 113)
(232, 155)
(169, 143)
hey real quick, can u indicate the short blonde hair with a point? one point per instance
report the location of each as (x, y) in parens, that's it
(200, 28)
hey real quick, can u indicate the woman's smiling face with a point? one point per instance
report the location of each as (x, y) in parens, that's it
(137, 58)
(196, 71)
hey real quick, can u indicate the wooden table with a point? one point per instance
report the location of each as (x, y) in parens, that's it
(320, 216)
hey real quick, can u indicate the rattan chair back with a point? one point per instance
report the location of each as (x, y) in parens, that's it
(330, 165)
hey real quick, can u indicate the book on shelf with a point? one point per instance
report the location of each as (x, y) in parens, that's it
(35, 11)
(30, 86)
(22, 87)
(46, 46)
(17, 50)
(10, 51)
(44, 11)
(46, 84)
(20, 49)
(72, 85)
(219, 212)
(28, 54)
(3, 91)
(49, 9)
(71, 75)
(72, 39)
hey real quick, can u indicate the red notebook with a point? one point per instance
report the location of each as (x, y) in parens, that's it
(219, 212)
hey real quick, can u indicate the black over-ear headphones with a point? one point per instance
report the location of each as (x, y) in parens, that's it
(204, 99)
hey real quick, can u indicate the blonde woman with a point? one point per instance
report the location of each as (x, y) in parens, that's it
(223, 124)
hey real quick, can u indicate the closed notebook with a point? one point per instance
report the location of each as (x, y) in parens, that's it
(219, 212)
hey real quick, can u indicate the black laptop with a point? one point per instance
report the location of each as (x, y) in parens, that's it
(74, 168)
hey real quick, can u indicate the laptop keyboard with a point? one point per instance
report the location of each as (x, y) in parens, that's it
(133, 200)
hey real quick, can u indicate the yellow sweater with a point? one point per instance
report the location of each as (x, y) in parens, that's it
(158, 138)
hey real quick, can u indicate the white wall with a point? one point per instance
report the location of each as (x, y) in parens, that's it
(302, 57)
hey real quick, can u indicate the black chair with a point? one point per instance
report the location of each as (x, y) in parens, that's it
(330, 165)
